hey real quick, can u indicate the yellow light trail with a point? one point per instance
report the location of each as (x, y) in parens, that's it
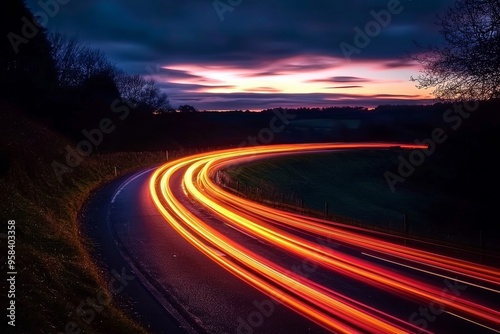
(322, 305)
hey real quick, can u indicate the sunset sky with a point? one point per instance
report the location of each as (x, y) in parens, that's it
(259, 53)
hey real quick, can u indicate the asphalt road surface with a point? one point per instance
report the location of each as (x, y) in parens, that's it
(205, 260)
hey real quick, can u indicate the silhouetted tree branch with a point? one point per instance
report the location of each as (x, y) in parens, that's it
(467, 66)
(76, 62)
(142, 91)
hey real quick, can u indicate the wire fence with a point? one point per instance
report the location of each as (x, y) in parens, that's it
(269, 195)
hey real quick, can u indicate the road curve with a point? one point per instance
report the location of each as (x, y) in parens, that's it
(344, 266)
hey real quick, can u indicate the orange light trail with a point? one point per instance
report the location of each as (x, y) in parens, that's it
(324, 306)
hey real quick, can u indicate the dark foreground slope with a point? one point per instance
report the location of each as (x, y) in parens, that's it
(55, 273)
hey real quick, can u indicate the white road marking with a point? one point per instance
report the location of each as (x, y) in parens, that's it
(127, 182)
(433, 273)
(475, 323)
(243, 232)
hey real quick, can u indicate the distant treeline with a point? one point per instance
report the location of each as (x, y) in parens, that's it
(422, 108)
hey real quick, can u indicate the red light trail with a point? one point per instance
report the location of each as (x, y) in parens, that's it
(325, 306)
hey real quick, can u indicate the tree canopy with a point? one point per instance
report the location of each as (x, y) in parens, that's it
(26, 66)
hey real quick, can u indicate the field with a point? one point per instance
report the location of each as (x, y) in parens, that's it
(353, 185)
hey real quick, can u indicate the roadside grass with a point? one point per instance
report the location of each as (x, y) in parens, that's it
(55, 270)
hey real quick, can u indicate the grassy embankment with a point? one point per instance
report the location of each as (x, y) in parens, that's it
(55, 270)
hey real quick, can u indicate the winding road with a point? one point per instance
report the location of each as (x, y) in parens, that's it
(210, 261)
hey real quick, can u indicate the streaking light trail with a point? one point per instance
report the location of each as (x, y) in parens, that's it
(323, 305)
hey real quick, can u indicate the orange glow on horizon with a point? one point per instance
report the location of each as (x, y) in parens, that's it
(304, 75)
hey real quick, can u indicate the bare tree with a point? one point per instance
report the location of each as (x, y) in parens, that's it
(76, 62)
(130, 86)
(144, 92)
(467, 66)
(187, 108)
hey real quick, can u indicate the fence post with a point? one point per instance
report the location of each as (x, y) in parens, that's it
(405, 223)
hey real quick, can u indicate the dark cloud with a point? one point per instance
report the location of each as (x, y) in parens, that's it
(137, 34)
(257, 28)
(181, 88)
(178, 74)
(349, 79)
(260, 74)
(342, 87)
(341, 79)
(402, 96)
(398, 63)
